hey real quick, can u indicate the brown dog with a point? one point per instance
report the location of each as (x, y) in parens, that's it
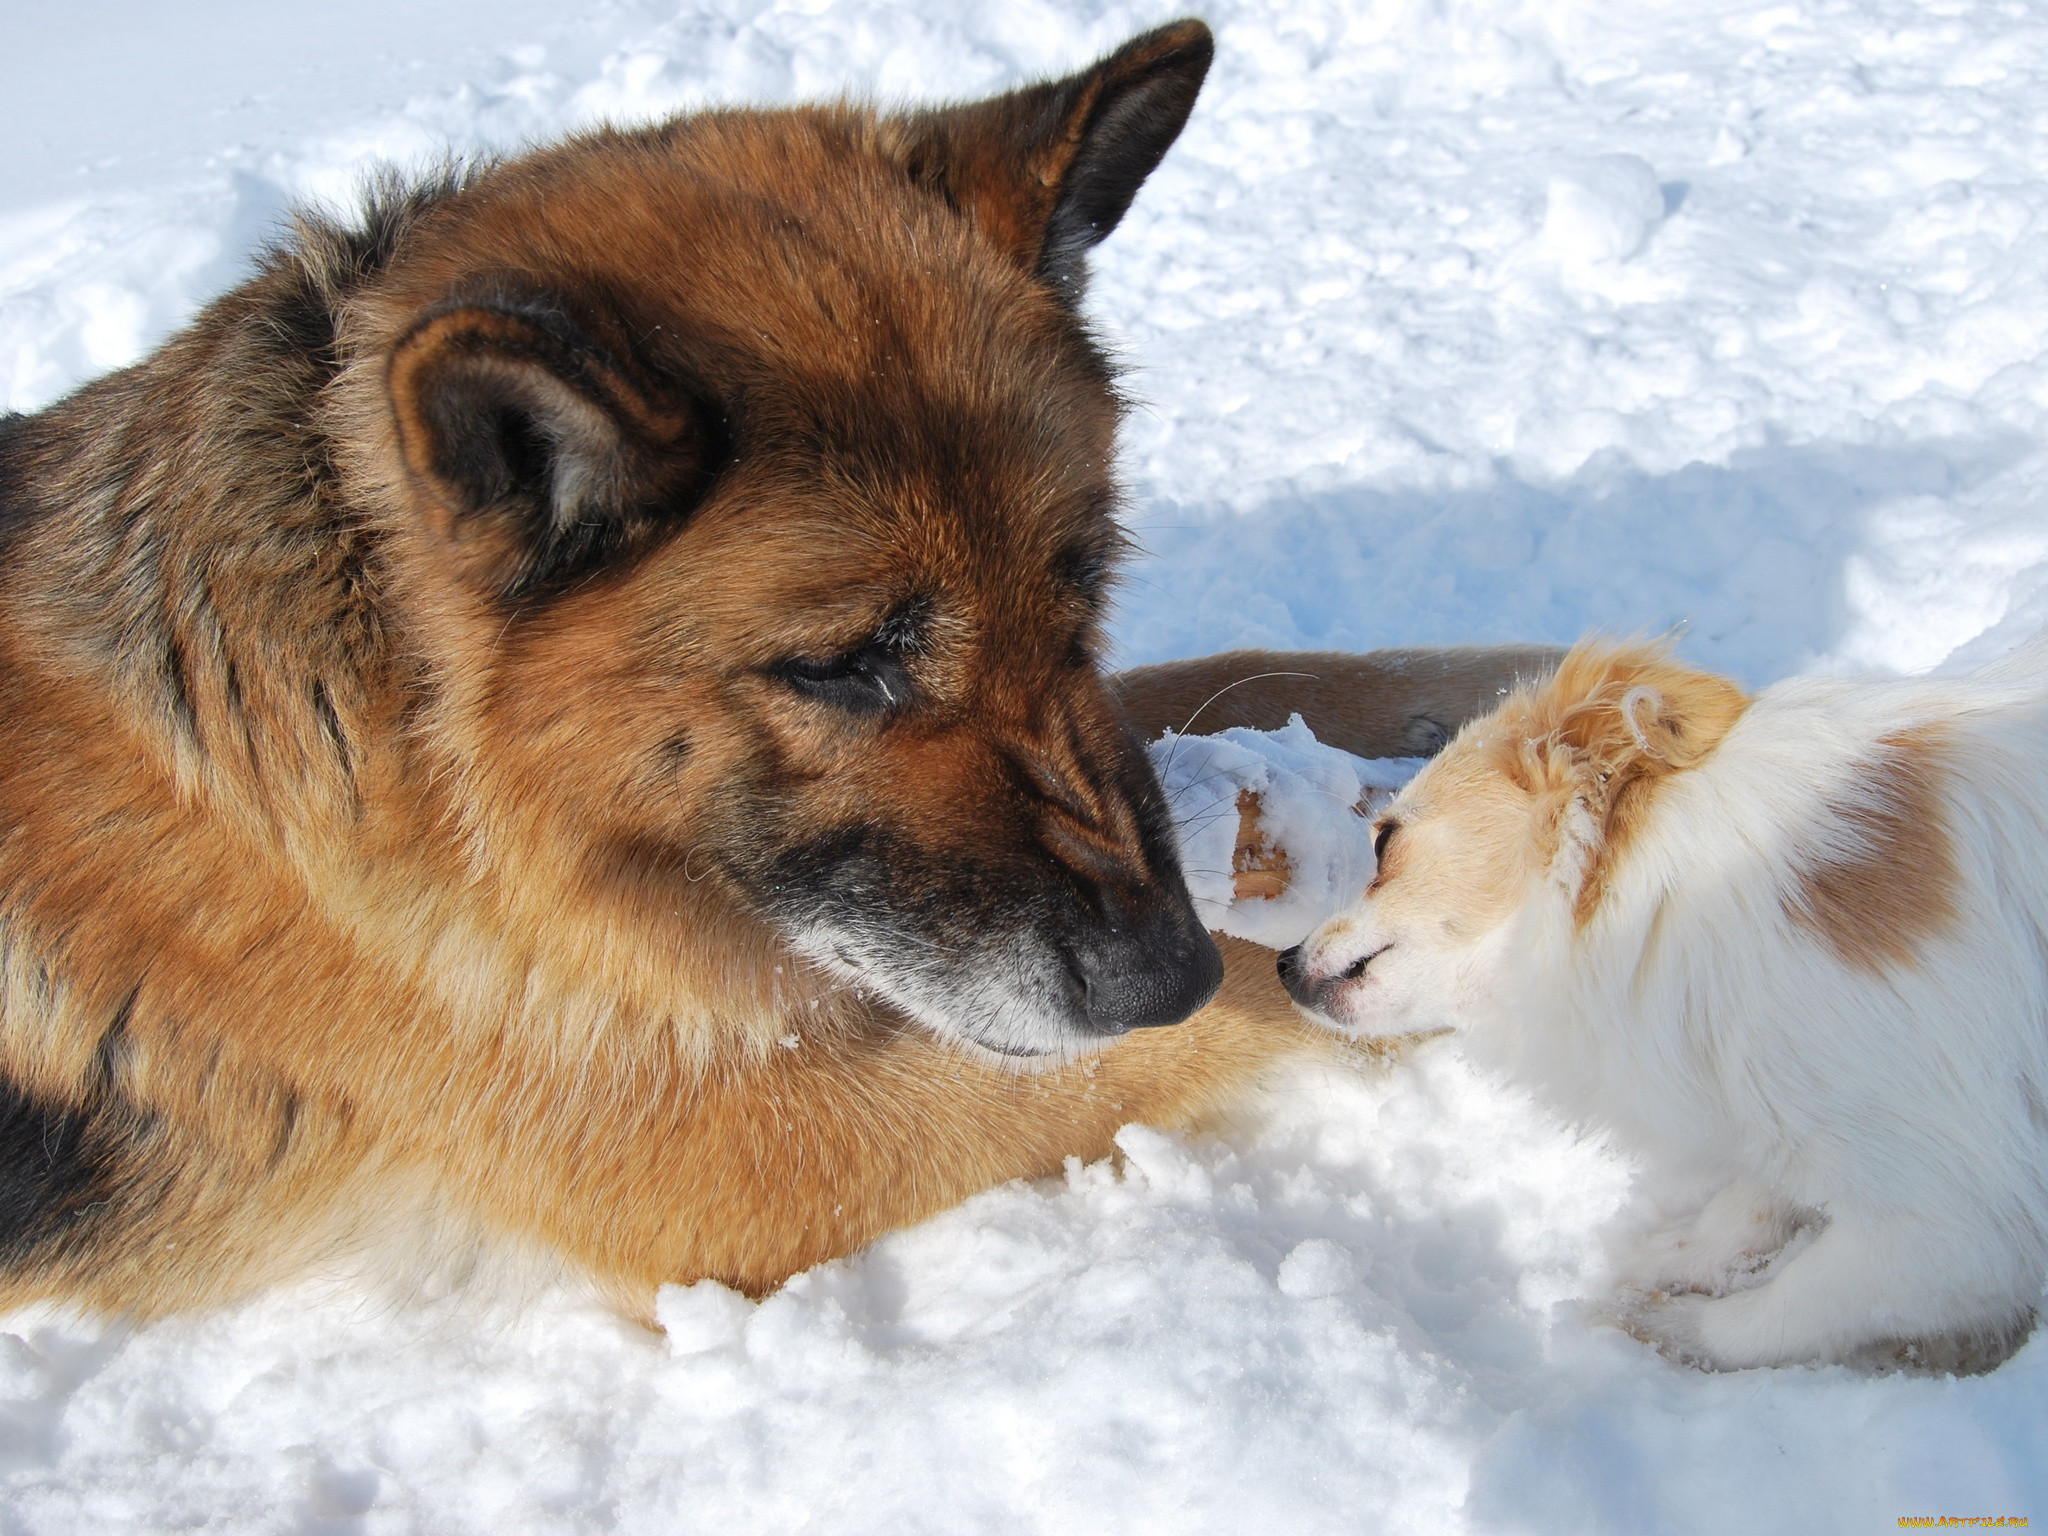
(570, 709)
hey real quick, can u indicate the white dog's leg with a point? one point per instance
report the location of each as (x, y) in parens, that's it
(1859, 1283)
(1718, 1249)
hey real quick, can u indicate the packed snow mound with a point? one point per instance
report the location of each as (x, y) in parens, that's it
(1275, 828)
(1602, 209)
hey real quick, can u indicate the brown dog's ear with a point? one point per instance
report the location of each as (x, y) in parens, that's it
(540, 460)
(1047, 171)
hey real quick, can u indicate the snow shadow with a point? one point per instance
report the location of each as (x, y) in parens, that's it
(1766, 562)
(132, 273)
(41, 1369)
(257, 217)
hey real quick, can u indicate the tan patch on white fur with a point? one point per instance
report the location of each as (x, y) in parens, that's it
(1875, 906)
(1259, 870)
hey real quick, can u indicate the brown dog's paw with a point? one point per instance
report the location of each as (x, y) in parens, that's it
(1259, 867)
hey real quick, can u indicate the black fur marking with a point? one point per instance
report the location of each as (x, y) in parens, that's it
(287, 1127)
(12, 510)
(52, 1171)
(110, 1057)
(871, 877)
(231, 697)
(338, 258)
(176, 677)
(1089, 567)
(337, 738)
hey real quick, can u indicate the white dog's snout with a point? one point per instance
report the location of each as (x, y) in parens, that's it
(1323, 972)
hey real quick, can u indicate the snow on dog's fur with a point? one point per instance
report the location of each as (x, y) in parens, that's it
(1794, 946)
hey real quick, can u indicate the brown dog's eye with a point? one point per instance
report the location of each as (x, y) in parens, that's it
(1382, 838)
(870, 679)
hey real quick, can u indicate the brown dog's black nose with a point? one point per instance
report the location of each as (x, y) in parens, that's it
(1157, 970)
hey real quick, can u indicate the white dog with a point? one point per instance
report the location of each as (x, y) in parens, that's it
(1795, 945)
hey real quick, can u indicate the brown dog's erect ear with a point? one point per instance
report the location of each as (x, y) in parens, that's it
(1047, 171)
(541, 460)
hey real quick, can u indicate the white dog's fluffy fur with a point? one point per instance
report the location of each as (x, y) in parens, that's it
(1796, 945)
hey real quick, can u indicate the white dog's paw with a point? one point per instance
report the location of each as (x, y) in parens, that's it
(1963, 1352)
(1668, 1323)
(1675, 1260)
(1751, 1329)
(1707, 1332)
(1727, 1246)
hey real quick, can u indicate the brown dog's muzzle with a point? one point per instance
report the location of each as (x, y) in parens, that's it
(1139, 954)
(1138, 972)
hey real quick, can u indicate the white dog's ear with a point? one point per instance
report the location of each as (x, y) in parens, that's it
(1616, 722)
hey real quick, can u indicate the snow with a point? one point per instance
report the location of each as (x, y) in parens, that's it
(1313, 801)
(1449, 320)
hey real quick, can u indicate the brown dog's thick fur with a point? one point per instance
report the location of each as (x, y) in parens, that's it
(568, 711)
